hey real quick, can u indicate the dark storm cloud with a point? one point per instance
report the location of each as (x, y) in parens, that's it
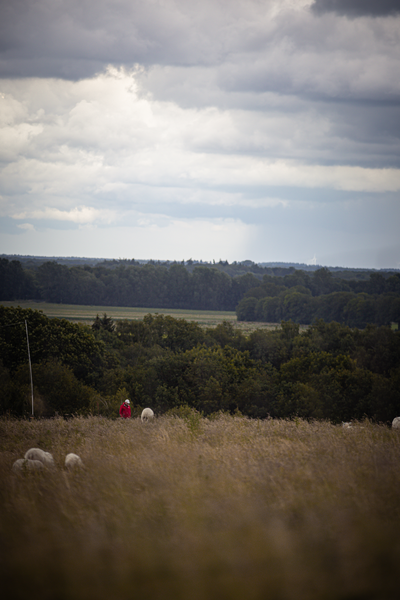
(356, 128)
(75, 39)
(358, 8)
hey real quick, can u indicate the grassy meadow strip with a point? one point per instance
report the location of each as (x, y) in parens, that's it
(190, 508)
(86, 314)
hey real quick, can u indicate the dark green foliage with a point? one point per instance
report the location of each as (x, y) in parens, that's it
(128, 284)
(304, 299)
(330, 371)
(15, 282)
(353, 309)
(56, 390)
(160, 330)
(55, 282)
(105, 324)
(246, 309)
(6, 391)
(321, 385)
(49, 339)
(268, 347)
(210, 380)
(257, 293)
(225, 334)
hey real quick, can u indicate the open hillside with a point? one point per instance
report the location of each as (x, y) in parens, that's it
(186, 507)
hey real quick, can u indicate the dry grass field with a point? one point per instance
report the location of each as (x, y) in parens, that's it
(185, 508)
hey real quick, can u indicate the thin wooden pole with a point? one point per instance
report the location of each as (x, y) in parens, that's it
(30, 365)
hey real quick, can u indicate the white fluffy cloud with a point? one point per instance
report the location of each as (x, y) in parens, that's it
(188, 119)
(102, 136)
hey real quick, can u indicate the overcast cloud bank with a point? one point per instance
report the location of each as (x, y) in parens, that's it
(171, 129)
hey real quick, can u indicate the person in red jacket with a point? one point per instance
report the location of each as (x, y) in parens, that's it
(125, 410)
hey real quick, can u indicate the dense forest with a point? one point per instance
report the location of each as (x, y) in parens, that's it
(269, 294)
(330, 371)
(305, 299)
(121, 283)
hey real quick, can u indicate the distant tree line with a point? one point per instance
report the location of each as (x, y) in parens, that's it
(304, 299)
(149, 285)
(261, 294)
(330, 371)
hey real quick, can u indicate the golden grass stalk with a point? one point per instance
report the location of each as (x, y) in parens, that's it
(201, 509)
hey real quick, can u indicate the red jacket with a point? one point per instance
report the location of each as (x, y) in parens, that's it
(125, 411)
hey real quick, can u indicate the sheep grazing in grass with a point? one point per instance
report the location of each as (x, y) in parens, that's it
(23, 464)
(346, 425)
(72, 461)
(147, 415)
(37, 454)
(396, 423)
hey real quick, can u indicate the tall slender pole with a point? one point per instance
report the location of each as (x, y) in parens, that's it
(30, 365)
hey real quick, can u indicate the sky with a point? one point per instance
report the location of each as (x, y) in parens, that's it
(264, 130)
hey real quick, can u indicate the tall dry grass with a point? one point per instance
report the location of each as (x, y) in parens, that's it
(189, 508)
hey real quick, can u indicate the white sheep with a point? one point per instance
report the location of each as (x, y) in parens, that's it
(147, 414)
(37, 454)
(396, 423)
(73, 460)
(347, 425)
(23, 464)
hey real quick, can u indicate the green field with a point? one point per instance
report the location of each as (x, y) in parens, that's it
(86, 314)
